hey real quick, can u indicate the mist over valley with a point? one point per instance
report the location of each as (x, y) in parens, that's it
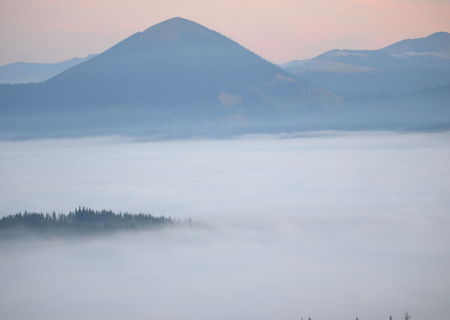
(178, 174)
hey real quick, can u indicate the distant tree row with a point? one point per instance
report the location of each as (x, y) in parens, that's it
(407, 317)
(82, 220)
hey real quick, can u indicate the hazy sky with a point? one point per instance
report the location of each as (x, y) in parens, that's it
(279, 30)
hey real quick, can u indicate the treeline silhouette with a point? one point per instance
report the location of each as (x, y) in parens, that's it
(82, 220)
(407, 317)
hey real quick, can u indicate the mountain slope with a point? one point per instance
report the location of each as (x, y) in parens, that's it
(403, 67)
(25, 72)
(436, 44)
(176, 62)
(178, 79)
(174, 76)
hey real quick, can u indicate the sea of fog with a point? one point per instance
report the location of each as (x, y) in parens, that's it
(328, 225)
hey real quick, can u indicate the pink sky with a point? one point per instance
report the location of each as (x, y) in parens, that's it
(278, 30)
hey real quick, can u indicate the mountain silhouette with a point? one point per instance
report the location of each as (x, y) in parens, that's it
(404, 67)
(174, 62)
(437, 44)
(25, 72)
(174, 68)
(179, 78)
(405, 85)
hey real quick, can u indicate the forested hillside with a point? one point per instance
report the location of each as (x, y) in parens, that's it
(82, 220)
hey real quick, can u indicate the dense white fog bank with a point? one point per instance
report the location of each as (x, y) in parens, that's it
(331, 226)
(335, 174)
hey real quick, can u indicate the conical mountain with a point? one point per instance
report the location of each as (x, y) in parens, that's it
(175, 62)
(177, 70)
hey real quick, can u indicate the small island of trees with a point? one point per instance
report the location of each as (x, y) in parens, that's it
(82, 220)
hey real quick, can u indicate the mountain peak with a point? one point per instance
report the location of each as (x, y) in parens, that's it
(437, 44)
(176, 63)
(175, 22)
(172, 28)
(439, 35)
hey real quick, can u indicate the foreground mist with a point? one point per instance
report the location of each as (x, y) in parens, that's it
(332, 226)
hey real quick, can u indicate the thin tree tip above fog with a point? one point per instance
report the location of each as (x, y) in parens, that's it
(85, 221)
(407, 316)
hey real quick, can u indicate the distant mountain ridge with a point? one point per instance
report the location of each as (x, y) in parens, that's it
(25, 72)
(174, 55)
(174, 74)
(179, 78)
(405, 66)
(437, 44)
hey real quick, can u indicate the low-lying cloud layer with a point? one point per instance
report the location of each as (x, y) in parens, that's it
(332, 226)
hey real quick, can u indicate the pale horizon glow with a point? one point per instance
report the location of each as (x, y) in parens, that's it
(280, 31)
